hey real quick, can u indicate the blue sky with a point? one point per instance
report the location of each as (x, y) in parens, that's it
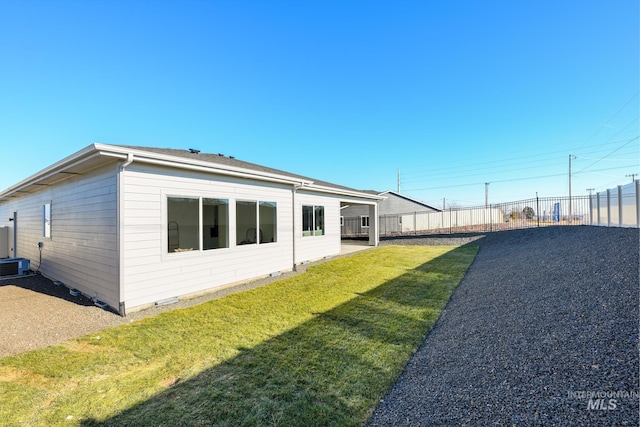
(452, 94)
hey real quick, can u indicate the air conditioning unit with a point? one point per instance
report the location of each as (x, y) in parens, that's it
(14, 267)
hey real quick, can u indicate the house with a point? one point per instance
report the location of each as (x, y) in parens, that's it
(356, 219)
(131, 226)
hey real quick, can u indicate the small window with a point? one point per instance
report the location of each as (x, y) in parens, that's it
(341, 221)
(268, 222)
(364, 221)
(246, 223)
(319, 220)
(215, 224)
(46, 220)
(312, 221)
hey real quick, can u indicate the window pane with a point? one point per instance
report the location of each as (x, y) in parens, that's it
(183, 224)
(215, 223)
(307, 220)
(46, 220)
(319, 221)
(246, 223)
(268, 222)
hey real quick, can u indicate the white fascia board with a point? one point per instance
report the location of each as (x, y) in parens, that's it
(344, 192)
(200, 165)
(60, 166)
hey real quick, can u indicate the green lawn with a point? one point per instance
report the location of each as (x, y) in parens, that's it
(320, 348)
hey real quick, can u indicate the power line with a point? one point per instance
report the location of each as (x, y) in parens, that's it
(487, 166)
(617, 149)
(612, 117)
(470, 184)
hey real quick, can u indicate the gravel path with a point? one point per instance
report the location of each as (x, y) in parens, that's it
(544, 324)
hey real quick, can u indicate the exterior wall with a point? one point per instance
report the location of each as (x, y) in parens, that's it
(151, 273)
(82, 250)
(310, 248)
(110, 239)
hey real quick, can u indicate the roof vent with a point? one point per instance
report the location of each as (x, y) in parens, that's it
(193, 151)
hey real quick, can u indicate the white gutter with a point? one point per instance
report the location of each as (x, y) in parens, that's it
(344, 192)
(196, 165)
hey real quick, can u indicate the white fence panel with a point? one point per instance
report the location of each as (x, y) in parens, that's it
(617, 207)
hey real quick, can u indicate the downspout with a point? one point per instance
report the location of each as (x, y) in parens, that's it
(296, 187)
(15, 233)
(121, 305)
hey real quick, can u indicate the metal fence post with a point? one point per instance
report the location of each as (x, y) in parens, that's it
(620, 206)
(638, 203)
(415, 227)
(608, 208)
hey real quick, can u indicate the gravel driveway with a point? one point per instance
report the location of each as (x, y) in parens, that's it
(543, 330)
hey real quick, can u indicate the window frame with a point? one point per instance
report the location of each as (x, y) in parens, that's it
(257, 237)
(201, 224)
(46, 220)
(362, 221)
(316, 220)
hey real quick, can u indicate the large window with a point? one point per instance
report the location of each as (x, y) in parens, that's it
(184, 230)
(256, 222)
(312, 220)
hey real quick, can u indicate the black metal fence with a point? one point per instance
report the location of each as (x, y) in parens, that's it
(537, 212)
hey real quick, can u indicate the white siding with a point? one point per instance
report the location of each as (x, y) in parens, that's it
(82, 249)
(310, 248)
(150, 273)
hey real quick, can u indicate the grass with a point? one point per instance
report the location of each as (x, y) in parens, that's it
(320, 348)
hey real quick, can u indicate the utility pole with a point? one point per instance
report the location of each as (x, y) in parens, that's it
(590, 190)
(633, 176)
(444, 205)
(570, 210)
(486, 194)
(398, 180)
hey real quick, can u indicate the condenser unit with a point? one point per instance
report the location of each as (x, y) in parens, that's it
(14, 267)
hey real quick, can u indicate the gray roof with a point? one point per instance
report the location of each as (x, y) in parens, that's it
(97, 154)
(220, 159)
